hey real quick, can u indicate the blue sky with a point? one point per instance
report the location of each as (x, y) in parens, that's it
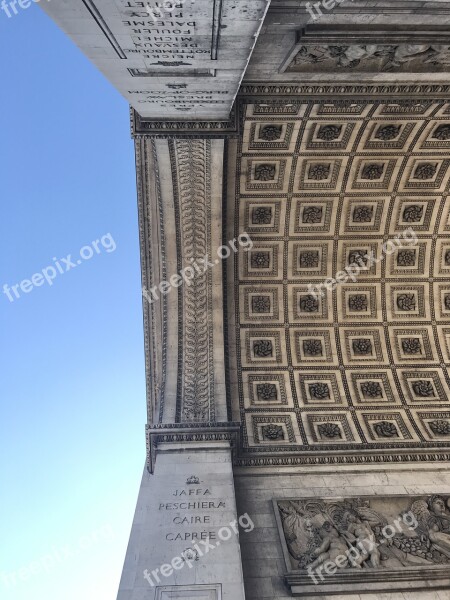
(72, 364)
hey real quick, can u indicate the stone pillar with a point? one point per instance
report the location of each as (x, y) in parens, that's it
(184, 542)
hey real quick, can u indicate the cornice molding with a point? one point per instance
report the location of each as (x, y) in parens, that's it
(141, 127)
(262, 92)
(356, 458)
(339, 91)
(188, 433)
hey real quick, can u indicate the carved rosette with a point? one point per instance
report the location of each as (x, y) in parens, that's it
(372, 171)
(406, 302)
(413, 213)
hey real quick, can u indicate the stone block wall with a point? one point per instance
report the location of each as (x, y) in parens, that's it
(262, 553)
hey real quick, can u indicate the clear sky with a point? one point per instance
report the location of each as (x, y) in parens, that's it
(72, 357)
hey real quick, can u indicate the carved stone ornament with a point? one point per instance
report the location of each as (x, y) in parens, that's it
(270, 133)
(372, 171)
(319, 171)
(388, 132)
(358, 257)
(262, 215)
(440, 427)
(362, 346)
(190, 555)
(309, 259)
(261, 304)
(406, 258)
(193, 480)
(263, 348)
(329, 133)
(411, 346)
(423, 388)
(371, 389)
(260, 260)
(309, 304)
(371, 57)
(312, 214)
(364, 539)
(385, 429)
(266, 391)
(191, 169)
(357, 302)
(265, 172)
(413, 213)
(447, 258)
(272, 432)
(442, 132)
(329, 430)
(447, 301)
(312, 348)
(319, 391)
(363, 214)
(425, 171)
(406, 302)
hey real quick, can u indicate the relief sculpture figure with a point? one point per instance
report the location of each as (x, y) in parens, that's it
(332, 547)
(360, 533)
(434, 522)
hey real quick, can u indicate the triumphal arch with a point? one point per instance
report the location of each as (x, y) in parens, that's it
(293, 170)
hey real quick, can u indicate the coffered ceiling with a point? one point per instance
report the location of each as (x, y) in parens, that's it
(363, 370)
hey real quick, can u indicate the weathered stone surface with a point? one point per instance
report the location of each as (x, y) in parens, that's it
(185, 504)
(341, 141)
(168, 59)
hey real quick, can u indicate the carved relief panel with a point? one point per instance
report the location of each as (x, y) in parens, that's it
(373, 49)
(360, 542)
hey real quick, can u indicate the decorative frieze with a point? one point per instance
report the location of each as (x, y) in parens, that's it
(191, 173)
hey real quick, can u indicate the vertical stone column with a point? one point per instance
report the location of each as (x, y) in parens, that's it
(184, 542)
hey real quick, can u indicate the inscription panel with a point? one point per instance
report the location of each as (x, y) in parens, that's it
(186, 528)
(167, 58)
(189, 513)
